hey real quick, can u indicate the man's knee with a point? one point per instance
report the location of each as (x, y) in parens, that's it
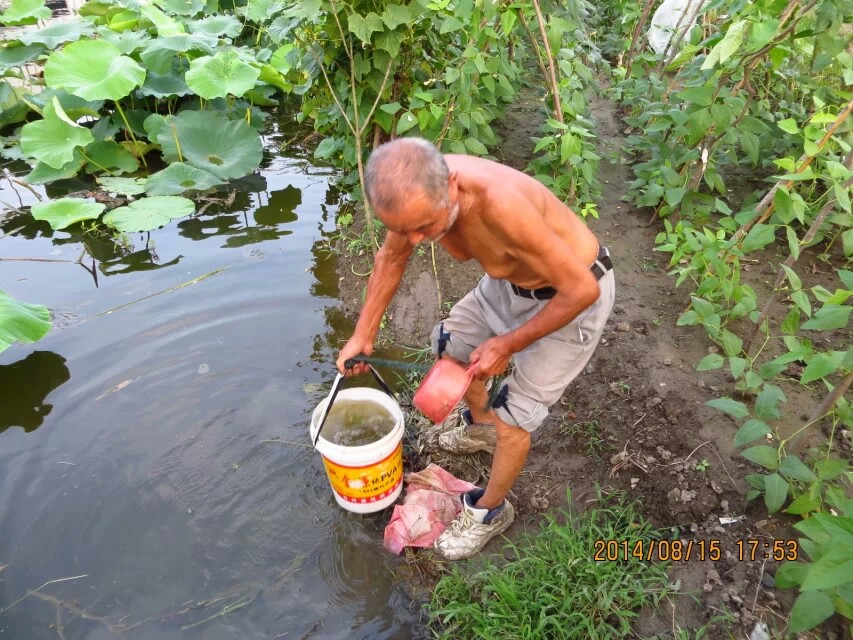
(444, 343)
(519, 410)
(511, 435)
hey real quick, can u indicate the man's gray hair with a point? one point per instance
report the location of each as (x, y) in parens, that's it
(399, 169)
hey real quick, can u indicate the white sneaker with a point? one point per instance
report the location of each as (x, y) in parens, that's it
(468, 534)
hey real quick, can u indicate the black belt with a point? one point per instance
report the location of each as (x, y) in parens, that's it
(602, 265)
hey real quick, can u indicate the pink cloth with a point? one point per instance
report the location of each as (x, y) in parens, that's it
(431, 503)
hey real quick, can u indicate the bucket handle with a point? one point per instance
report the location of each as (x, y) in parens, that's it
(336, 386)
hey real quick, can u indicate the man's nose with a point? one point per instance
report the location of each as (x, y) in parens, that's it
(415, 237)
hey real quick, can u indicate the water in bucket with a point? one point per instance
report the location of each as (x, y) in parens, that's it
(354, 423)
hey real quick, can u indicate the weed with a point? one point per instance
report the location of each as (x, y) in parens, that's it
(587, 433)
(702, 466)
(552, 587)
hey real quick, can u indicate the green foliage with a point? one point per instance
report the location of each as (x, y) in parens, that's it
(21, 322)
(93, 70)
(22, 12)
(552, 586)
(208, 140)
(148, 214)
(66, 211)
(177, 178)
(567, 160)
(766, 103)
(53, 139)
(826, 579)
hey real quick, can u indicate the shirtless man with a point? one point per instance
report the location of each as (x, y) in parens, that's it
(548, 292)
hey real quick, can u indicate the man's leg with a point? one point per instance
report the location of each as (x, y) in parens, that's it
(510, 455)
(540, 375)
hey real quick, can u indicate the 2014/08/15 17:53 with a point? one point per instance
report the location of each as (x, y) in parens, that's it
(683, 550)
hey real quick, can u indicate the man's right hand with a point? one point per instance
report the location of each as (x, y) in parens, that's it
(356, 346)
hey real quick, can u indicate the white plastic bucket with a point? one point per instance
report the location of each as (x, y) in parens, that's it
(367, 478)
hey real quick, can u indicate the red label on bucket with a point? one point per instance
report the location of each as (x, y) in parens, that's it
(370, 483)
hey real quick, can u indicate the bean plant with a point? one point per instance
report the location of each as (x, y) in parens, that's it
(742, 142)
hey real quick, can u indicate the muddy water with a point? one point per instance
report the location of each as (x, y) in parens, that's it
(159, 454)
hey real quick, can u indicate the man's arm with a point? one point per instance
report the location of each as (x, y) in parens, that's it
(388, 269)
(549, 256)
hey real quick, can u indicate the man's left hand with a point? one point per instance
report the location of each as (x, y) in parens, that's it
(490, 358)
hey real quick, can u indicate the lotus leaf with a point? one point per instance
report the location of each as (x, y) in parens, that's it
(126, 42)
(74, 107)
(111, 156)
(148, 214)
(135, 118)
(54, 35)
(165, 25)
(179, 177)
(269, 75)
(42, 173)
(152, 126)
(12, 56)
(182, 7)
(210, 141)
(137, 149)
(95, 8)
(53, 139)
(158, 55)
(21, 322)
(12, 107)
(228, 26)
(124, 186)
(105, 129)
(262, 96)
(66, 211)
(13, 153)
(220, 75)
(22, 12)
(282, 60)
(94, 70)
(123, 20)
(261, 10)
(164, 86)
(279, 29)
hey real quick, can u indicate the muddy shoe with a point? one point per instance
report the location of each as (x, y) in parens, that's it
(469, 437)
(468, 534)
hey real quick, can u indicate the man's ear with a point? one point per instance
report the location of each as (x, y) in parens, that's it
(452, 186)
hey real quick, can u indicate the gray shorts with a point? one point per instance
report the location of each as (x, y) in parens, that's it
(542, 371)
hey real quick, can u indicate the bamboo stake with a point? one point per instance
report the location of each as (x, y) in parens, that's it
(637, 29)
(789, 262)
(831, 398)
(766, 205)
(555, 92)
(535, 44)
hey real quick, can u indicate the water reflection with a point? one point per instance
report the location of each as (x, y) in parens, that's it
(275, 210)
(26, 384)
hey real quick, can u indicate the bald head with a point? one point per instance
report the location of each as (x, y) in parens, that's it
(403, 168)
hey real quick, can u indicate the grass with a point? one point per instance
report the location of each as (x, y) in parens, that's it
(552, 588)
(586, 433)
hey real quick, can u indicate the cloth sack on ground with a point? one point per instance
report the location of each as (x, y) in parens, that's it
(670, 14)
(431, 503)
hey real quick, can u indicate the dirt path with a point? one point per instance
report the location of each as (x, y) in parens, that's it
(635, 421)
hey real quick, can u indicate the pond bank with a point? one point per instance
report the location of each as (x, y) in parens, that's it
(635, 421)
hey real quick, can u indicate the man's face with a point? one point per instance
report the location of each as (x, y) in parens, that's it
(421, 219)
